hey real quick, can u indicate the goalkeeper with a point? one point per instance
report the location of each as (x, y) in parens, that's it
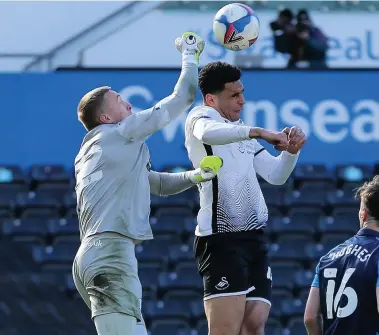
(113, 184)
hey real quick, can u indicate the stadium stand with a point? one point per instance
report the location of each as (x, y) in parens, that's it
(39, 238)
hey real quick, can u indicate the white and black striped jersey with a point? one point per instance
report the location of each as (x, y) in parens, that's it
(233, 201)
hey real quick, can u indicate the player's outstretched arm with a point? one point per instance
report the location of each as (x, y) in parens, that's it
(164, 184)
(275, 170)
(206, 128)
(145, 123)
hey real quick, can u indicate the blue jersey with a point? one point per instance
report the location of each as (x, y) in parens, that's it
(347, 277)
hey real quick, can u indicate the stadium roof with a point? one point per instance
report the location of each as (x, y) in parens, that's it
(31, 28)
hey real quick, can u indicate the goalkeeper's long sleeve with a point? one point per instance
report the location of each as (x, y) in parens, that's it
(140, 125)
(164, 184)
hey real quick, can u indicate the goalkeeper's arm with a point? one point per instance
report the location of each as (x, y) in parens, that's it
(140, 125)
(164, 184)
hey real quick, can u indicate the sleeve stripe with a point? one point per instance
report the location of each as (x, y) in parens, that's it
(259, 151)
(195, 119)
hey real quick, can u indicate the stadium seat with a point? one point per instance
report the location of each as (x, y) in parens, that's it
(69, 200)
(314, 251)
(307, 217)
(11, 174)
(293, 307)
(64, 227)
(276, 300)
(273, 327)
(49, 213)
(296, 326)
(342, 197)
(69, 284)
(202, 327)
(60, 252)
(5, 214)
(186, 200)
(48, 174)
(179, 294)
(289, 248)
(191, 239)
(299, 221)
(282, 274)
(306, 196)
(170, 221)
(40, 199)
(181, 253)
(166, 327)
(170, 309)
(9, 194)
(197, 309)
(153, 251)
(310, 173)
(148, 274)
(352, 173)
(303, 279)
(304, 293)
(272, 193)
(184, 277)
(342, 221)
(71, 214)
(32, 227)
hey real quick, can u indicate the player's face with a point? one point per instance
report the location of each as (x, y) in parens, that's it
(231, 101)
(115, 109)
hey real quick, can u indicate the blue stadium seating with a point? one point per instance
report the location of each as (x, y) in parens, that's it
(39, 237)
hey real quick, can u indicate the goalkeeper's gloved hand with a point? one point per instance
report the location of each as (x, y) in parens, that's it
(191, 45)
(209, 167)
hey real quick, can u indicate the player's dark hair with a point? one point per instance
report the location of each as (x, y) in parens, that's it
(214, 76)
(90, 105)
(368, 193)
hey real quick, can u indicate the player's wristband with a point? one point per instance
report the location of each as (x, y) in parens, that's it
(190, 57)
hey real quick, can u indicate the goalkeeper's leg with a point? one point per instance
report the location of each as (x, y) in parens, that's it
(115, 323)
(119, 323)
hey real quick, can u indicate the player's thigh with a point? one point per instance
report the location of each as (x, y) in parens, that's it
(222, 266)
(115, 323)
(224, 270)
(256, 314)
(225, 314)
(258, 300)
(108, 270)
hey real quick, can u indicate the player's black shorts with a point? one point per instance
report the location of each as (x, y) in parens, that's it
(234, 264)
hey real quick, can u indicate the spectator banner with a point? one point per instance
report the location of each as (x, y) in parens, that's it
(338, 111)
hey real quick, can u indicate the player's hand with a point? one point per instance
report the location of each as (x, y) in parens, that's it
(296, 139)
(190, 44)
(277, 138)
(209, 167)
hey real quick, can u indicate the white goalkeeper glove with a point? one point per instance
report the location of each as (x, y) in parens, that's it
(191, 46)
(209, 167)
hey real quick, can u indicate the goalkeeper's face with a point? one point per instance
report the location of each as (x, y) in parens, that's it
(115, 109)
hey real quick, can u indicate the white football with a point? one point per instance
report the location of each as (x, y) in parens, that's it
(236, 26)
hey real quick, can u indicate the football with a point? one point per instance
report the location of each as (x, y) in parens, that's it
(236, 26)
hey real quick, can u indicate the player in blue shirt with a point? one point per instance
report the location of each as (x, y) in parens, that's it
(344, 297)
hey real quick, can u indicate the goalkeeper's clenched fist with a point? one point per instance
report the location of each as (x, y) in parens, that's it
(209, 167)
(190, 44)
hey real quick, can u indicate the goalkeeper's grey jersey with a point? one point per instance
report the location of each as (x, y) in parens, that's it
(112, 166)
